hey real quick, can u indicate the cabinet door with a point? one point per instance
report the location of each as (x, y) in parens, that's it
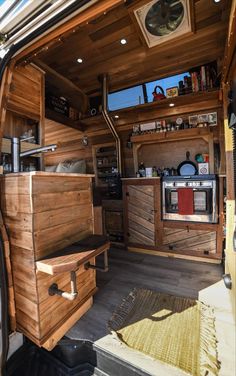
(184, 240)
(113, 221)
(140, 215)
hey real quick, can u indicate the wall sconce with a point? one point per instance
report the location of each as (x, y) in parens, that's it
(84, 141)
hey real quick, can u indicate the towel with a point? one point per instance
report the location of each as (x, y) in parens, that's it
(186, 201)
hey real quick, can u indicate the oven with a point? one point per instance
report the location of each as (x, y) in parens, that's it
(192, 198)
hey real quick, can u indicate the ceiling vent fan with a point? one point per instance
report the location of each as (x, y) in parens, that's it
(163, 20)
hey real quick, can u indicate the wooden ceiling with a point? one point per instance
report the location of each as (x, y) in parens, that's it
(98, 44)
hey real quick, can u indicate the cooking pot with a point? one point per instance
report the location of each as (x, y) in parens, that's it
(187, 167)
(158, 96)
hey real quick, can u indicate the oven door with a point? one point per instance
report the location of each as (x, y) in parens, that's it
(204, 205)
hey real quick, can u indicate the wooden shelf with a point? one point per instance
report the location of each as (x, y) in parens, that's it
(97, 154)
(184, 134)
(93, 120)
(185, 104)
(65, 120)
(109, 165)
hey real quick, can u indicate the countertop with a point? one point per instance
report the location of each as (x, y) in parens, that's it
(46, 173)
(146, 178)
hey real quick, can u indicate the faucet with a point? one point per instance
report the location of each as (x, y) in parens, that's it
(17, 154)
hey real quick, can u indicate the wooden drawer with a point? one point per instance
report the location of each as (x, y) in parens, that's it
(200, 242)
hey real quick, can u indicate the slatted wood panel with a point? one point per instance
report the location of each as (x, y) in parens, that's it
(140, 213)
(44, 213)
(26, 92)
(198, 241)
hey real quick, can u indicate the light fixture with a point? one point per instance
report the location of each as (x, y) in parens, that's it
(79, 60)
(171, 105)
(216, 1)
(123, 41)
(116, 116)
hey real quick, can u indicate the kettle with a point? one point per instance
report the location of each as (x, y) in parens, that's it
(158, 96)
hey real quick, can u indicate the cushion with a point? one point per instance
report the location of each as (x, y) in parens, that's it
(78, 166)
(51, 168)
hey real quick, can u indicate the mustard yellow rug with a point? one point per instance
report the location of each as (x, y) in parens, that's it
(174, 330)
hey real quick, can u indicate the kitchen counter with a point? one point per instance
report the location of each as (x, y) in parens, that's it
(146, 178)
(47, 173)
(146, 232)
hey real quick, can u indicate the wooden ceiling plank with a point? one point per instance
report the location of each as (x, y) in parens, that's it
(128, 65)
(86, 15)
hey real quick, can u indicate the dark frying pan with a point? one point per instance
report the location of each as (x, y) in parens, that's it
(187, 167)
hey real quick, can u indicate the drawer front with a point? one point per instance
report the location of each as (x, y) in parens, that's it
(185, 240)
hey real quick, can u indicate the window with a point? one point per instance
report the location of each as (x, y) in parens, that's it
(126, 98)
(142, 93)
(165, 83)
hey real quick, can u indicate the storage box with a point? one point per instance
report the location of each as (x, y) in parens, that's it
(203, 168)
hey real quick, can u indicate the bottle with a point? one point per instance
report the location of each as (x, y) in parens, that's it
(154, 171)
(142, 170)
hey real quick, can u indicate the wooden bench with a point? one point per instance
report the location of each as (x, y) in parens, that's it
(71, 258)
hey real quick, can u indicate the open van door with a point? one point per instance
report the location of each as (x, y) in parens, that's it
(22, 22)
(229, 98)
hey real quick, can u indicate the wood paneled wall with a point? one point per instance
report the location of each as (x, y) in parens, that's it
(70, 146)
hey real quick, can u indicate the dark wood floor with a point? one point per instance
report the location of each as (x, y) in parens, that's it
(129, 270)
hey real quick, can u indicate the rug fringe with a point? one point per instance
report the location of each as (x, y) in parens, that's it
(209, 365)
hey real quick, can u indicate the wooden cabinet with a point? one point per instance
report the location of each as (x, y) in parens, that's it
(26, 92)
(142, 211)
(45, 213)
(25, 115)
(141, 219)
(145, 231)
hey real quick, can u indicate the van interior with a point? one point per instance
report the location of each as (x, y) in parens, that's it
(117, 132)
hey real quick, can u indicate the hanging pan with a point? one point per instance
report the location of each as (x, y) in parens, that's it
(187, 167)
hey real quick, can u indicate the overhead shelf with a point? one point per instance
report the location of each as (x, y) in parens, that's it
(185, 104)
(172, 135)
